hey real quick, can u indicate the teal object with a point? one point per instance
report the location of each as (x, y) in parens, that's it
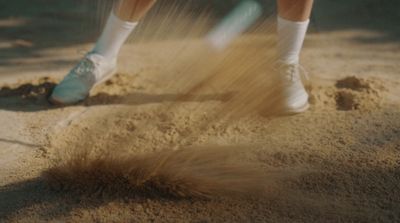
(240, 19)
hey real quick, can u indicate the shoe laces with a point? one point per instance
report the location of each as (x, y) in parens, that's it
(87, 65)
(293, 72)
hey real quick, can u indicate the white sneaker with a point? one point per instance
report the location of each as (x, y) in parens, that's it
(295, 96)
(90, 71)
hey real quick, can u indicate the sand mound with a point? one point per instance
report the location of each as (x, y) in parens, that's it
(350, 93)
(358, 94)
(353, 83)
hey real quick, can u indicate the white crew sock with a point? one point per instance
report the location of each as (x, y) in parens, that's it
(114, 35)
(291, 36)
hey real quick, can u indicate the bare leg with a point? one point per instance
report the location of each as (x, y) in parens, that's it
(295, 10)
(101, 62)
(132, 10)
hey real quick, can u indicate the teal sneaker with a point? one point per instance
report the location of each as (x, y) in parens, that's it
(93, 69)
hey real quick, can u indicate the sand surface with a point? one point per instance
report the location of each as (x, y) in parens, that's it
(337, 162)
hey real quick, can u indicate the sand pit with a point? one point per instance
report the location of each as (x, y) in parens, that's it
(337, 162)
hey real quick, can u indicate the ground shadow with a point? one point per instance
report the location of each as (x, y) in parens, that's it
(29, 27)
(30, 97)
(346, 194)
(36, 192)
(15, 197)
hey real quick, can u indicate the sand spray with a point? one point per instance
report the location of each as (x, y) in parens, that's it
(213, 64)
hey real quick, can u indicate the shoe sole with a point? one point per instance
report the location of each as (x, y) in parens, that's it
(54, 101)
(296, 111)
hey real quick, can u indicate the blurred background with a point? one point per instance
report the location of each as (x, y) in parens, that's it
(48, 23)
(27, 27)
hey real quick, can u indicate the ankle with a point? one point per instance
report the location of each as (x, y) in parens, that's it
(114, 35)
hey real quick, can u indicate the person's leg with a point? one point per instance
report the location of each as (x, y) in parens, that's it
(132, 10)
(120, 24)
(100, 63)
(293, 20)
